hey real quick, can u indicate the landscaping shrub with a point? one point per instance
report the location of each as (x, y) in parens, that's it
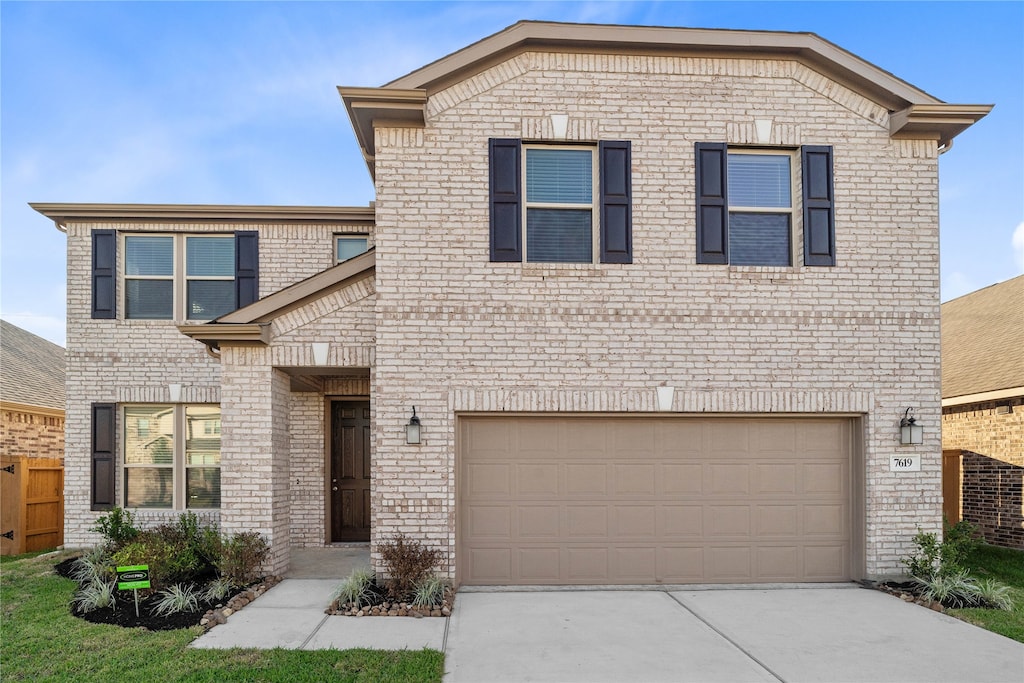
(95, 595)
(429, 591)
(357, 588)
(177, 598)
(240, 556)
(407, 563)
(117, 527)
(151, 549)
(944, 558)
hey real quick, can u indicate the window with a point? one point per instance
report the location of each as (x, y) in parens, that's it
(349, 246)
(760, 209)
(559, 187)
(179, 276)
(745, 205)
(172, 456)
(570, 204)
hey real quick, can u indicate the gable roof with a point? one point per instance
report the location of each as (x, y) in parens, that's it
(251, 324)
(31, 369)
(983, 343)
(403, 100)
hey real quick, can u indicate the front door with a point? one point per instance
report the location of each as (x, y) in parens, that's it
(350, 471)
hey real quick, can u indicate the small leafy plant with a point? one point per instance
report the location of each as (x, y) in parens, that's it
(93, 566)
(117, 527)
(96, 594)
(944, 558)
(240, 556)
(952, 590)
(407, 562)
(218, 589)
(993, 594)
(356, 588)
(177, 598)
(429, 591)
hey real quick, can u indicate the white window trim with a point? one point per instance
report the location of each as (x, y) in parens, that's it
(595, 236)
(794, 197)
(178, 465)
(179, 278)
(349, 236)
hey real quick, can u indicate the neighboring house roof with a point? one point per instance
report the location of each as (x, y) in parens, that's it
(62, 213)
(983, 344)
(914, 113)
(31, 369)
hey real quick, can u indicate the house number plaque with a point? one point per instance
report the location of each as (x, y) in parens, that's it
(905, 463)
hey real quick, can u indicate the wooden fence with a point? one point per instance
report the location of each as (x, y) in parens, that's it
(31, 504)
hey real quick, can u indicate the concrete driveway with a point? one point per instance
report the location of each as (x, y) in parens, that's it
(842, 633)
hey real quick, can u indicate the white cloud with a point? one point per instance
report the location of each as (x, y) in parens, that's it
(1018, 246)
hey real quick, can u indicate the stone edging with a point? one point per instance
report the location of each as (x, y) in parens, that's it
(221, 614)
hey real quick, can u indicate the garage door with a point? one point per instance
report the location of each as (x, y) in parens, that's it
(618, 500)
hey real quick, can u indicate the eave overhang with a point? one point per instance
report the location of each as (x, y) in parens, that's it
(213, 334)
(941, 122)
(403, 108)
(64, 213)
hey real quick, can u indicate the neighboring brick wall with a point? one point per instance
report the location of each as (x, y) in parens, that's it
(458, 333)
(992, 466)
(30, 434)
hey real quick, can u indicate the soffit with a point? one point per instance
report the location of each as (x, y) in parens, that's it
(983, 340)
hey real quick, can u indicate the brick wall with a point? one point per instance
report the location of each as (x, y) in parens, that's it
(458, 333)
(31, 434)
(992, 466)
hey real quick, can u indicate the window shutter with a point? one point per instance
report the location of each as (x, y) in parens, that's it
(819, 212)
(104, 455)
(104, 274)
(712, 203)
(616, 201)
(247, 267)
(505, 199)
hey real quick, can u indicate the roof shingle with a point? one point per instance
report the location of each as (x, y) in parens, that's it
(31, 368)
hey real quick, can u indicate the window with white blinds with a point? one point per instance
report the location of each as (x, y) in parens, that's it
(560, 212)
(760, 208)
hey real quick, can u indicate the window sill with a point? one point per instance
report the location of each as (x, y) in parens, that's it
(766, 273)
(543, 271)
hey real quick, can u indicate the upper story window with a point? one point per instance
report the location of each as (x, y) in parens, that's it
(560, 204)
(760, 209)
(349, 246)
(746, 205)
(566, 204)
(172, 456)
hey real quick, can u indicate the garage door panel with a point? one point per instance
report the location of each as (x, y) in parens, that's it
(534, 479)
(681, 521)
(731, 478)
(586, 522)
(587, 565)
(682, 479)
(489, 479)
(633, 479)
(634, 521)
(586, 479)
(539, 565)
(700, 500)
(539, 522)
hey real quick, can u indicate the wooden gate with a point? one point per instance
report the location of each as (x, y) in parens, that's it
(32, 504)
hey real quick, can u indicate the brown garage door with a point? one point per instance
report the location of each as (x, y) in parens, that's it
(620, 500)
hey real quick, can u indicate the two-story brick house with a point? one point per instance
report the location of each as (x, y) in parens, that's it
(658, 298)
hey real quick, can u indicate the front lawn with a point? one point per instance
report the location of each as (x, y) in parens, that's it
(41, 641)
(1006, 566)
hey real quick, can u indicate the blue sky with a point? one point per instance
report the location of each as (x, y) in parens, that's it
(235, 103)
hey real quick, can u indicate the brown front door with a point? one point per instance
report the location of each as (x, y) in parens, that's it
(350, 471)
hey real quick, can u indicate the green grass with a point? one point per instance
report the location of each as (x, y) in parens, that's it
(41, 641)
(1006, 566)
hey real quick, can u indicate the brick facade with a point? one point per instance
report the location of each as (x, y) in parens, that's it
(990, 437)
(24, 432)
(442, 328)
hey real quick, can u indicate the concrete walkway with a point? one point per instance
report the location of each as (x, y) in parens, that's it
(835, 633)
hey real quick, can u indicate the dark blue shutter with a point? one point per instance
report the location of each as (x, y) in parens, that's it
(712, 203)
(616, 201)
(819, 211)
(505, 199)
(104, 455)
(247, 267)
(104, 274)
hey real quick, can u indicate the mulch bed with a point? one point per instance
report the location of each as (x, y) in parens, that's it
(208, 614)
(380, 605)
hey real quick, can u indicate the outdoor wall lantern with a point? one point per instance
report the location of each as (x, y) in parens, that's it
(412, 430)
(910, 431)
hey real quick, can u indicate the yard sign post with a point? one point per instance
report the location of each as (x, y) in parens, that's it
(133, 577)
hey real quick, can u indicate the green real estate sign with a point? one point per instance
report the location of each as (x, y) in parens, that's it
(135, 576)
